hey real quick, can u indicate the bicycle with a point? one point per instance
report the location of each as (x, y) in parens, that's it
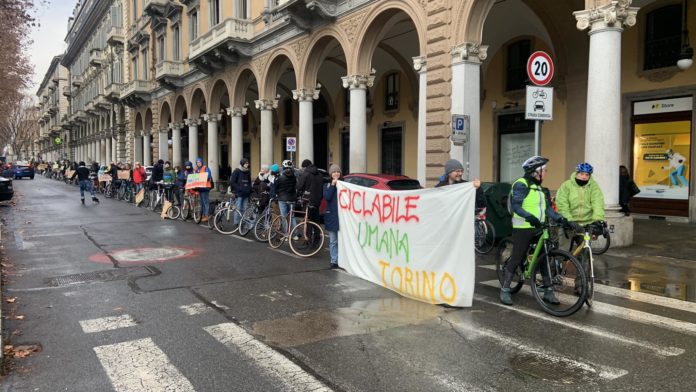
(484, 233)
(191, 206)
(585, 251)
(263, 222)
(564, 270)
(251, 213)
(226, 215)
(306, 238)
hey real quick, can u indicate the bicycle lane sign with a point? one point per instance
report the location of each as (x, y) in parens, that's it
(539, 103)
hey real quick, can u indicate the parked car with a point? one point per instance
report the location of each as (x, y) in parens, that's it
(6, 191)
(383, 181)
(21, 171)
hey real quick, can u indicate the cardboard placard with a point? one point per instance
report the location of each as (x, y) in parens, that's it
(105, 178)
(124, 174)
(165, 207)
(69, 173)
(197, 180)
(140, 196)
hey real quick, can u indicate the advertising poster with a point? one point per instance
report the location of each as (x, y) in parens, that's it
(661, 160)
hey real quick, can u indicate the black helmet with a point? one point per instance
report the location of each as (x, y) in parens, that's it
(534, 163)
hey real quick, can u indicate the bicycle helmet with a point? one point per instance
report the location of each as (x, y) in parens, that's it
(584, 168)
(534, 163)
(287, 164)
(275, 168)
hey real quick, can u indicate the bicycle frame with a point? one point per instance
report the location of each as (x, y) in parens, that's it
(586, 241)
(541, 243)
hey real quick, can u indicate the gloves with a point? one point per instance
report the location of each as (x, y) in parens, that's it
(533, 220)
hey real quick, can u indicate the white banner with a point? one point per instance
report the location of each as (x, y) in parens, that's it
(419, 243)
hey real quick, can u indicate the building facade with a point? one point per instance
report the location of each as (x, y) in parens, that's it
(50, 143)
(373, 86)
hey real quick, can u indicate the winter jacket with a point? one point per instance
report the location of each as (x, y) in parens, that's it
(331, 213)
(82, 174)
(480, 198)
(139, 175)
(311, 182)
(581, 204)
(168, 176)
(286, 186)
(204, 169)
(240, 182)
(157, 173)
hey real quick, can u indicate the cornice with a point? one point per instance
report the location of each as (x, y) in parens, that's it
(85, 25)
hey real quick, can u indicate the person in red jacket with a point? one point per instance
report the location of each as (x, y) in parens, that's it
(139, 176)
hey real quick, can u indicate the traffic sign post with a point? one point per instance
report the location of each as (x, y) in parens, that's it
(539, 98)
(291, 146)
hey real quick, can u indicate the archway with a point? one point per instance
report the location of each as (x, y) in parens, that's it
(245, 120)
(196, 126)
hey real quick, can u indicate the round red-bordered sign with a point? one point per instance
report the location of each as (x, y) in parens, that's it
(540, 68)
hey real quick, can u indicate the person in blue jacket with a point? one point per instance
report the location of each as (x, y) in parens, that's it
(331, 214)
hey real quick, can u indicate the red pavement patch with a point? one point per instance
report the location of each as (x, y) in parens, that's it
(142, 256)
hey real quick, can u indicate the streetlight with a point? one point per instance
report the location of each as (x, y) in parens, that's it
(686, 56)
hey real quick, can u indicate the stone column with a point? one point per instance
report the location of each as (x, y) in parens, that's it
(137, 147)
(192, 124)
(305, 141)
(603, 126)
(419, 64)
(147, 148)
(236, 137)
(358, 85)
(108, 148)
(176, 144)
(102, 151)
(213, 120)
(466, 99)
(121, 148)
(163, 144)
(266, 106)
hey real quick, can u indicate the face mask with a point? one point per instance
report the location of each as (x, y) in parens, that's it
(581, 182)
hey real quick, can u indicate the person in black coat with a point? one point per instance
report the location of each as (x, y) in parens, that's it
(240, 183)
(82, 174)
(627, 189)
(331, 215)
(310, 185)
(286, 191)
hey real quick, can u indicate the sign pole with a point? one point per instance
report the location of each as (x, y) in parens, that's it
(537, 137)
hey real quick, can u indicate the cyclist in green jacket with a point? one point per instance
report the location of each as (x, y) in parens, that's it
(579, 198)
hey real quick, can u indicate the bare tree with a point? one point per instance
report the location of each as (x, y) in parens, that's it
(19, 127)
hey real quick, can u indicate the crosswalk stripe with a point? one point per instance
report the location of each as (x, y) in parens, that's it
(626, 313)
(269, 360)
(647, 298)
(194, 309)
(139, 365)
(605, 372)
(660, 350)
(107, 323)
(488, 266)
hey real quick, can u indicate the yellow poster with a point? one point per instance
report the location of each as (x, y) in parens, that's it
(661, 159)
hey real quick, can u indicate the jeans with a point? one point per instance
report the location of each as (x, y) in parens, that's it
(285, 207)
(138, 187)
(86, 185)
(333, 246)
(241, 206)
(678, 173)
(205, 202)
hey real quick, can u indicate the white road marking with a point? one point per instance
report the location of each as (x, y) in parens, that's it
(647, 298)
(660, 350)
(67, 233)
(194, 309)
(139, 365)
(286, 253)
(241, 238)
(605, 372)
(219, 305)
(488, 266)
(626, 313)
(107, 323)
(270, 361)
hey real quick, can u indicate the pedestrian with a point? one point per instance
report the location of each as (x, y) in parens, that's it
(530, 206)
(240, 184)
(285, 190)
(204, 192)
(331, 214)
(310, 186)
(82, 174)
(157, 172)
(627, 189)
(261, 186)
(139, 177)
(454, 170)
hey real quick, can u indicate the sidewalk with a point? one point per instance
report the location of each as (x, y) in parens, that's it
(662, 239)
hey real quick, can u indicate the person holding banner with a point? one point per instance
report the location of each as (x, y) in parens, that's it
(331, 214)
(454, 170)
(204, 192)
(530, 206)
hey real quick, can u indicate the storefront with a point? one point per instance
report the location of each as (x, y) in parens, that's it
(661, 156)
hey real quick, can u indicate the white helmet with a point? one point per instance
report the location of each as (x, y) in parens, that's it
(287, 164)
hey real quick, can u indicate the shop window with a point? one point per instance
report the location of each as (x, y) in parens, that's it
(516, 69)
(662, 37)
(391, 93)
(515, 144)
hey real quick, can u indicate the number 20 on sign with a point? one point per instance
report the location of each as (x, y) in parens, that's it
(540, 68)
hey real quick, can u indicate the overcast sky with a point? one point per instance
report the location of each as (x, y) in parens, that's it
(49, 37)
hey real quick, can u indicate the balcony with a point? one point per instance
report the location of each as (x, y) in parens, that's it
(136, 92)
(112, 92)
(66, 91)
(90, 108)
(101, 102)
(170, 74)
(95, 58)
(76, 80)
(155, 7)
(222, 45)
(80, 115)
(116, 36)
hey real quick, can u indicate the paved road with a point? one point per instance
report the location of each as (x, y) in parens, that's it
(121, 300)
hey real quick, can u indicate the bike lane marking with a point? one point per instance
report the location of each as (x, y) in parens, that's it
(107, 323)
(271, 362)
(139, 365)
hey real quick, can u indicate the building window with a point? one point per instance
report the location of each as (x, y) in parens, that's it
(135, 68)
(391, 92)
(193, 28)
(146, 64)
(516, 71)
(161, 49)
(663, 37)
(214, 6)
(135, 10)
(242, 9)
(175, 44)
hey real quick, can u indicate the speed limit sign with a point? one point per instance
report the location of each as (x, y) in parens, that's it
(540, 68)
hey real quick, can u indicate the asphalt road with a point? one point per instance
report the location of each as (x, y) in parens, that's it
(120, 300)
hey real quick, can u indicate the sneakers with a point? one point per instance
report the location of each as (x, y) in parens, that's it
(550, 297)
(204, 219)
(505, 296)
(334, 266)
(82, 200)
(296, 238)
(94, 199)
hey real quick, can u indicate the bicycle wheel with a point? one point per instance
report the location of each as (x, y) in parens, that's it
(502, 258)
(153, 200)
(185, 210)
(248, 221)
(600, 243)
(173, 212)
(276, 236)
(585, 261)
(224, 220)
(197, 210)
(262, 225)
(306, 239)
(484, 236)
(121, 193)
(564, 271)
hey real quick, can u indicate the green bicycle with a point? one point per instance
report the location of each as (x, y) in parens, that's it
(547, 266)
